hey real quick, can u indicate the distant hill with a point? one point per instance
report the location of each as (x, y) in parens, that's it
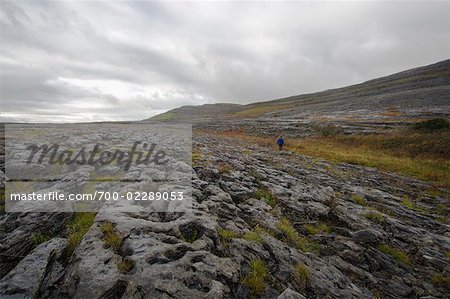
(426, 87)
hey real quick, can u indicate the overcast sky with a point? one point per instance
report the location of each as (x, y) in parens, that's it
(93, 61)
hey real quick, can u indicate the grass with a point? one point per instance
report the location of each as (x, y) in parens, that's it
(413, 153)
(256, 280)
(254, 235)
(291, 236)
(258, 111)
(318, 228)
(111, 238)
(196, 156)
(39, 238)
(226, 235)
(125, 266)
(441, 280)
(192, 236)
(265, 194)
(447, 254)
(301, 275)
(224, 168)
(375, 217)
(407, 203)
(77, 228)
(395, 253)
(359, 199)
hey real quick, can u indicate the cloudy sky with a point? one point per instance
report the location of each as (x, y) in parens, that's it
(93, 61)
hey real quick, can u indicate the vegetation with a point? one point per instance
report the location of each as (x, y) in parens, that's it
(435, 124)
(376, 293)
(254, 235)
(39, 238)
(191, 236)
(291, 236)
(441, 280)
(266, 195)
(77, 228)
(395, 253)
(359, 199)
(196, 156)
(226, 235)
(125, 266)
(256, 280)
(423, 155)
(318, 228)
(301, 275)
(225, 168)
(328, 130)
(375, 217)
(112, 239)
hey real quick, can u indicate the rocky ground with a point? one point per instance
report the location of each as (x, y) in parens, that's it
(264, 224)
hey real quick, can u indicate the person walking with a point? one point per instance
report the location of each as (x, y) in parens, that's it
(280, 143)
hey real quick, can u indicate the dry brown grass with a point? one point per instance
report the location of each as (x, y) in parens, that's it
(419, 155)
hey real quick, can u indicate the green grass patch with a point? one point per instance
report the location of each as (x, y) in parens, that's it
(301, 275)
(291, 236)
(441, 280)
(226, 235)
(39, 238)
(267, 196)
(111, 238)
(196, 157)
(77, 228)
(317, 228)
(375, 217)
(359, 199)
(407, 203)
(254, 235)
(256, 280)
(125, 266)
(395, 253)
(259, 111)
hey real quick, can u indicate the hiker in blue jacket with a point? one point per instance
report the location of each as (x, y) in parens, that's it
(280, 143)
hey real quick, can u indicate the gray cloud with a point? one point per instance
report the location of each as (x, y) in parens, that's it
(92, 60)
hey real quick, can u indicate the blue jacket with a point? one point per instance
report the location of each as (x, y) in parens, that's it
(280, 141)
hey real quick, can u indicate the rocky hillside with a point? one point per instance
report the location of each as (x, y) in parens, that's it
(423, 90)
